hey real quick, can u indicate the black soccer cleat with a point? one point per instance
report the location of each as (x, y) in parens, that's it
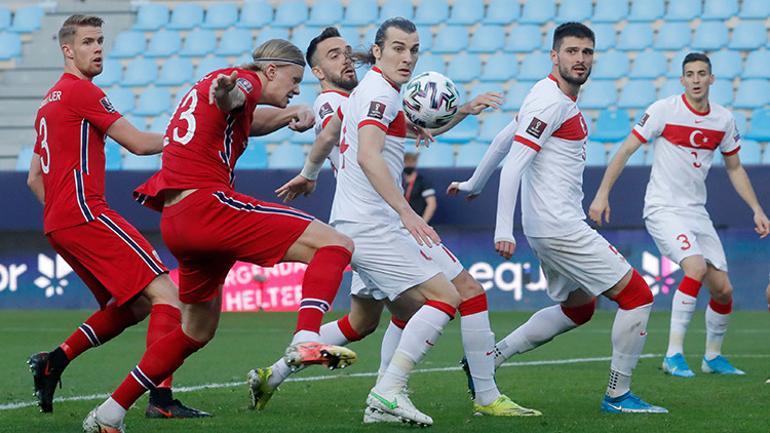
(174, 409)
(467, 371)
(45, 379)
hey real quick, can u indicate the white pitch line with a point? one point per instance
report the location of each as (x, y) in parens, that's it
(182, 389)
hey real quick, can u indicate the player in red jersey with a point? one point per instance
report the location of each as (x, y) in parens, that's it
(111, 257)
(208, 226)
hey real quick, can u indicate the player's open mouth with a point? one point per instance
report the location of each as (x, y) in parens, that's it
(348, 71)
(579, 69)
(405, 71)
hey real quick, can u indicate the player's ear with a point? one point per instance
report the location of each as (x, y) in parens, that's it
(681, 80)
(376, 51)
(66, 50)
(554, 57)
(317, 72)
(270, 71)
(711, 79)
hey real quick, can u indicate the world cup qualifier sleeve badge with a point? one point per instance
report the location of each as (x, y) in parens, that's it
(376, 110)
(536, 127)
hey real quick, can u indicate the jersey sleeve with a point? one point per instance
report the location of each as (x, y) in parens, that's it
(250, 88)
(380, 112)
(325, 111)
(731, 142)
(651, 124)
(90, 102)
(537, 120)
(37, 148)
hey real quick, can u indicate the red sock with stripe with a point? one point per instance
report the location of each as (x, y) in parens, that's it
(164, 318)
(98, 329)
(682, 309)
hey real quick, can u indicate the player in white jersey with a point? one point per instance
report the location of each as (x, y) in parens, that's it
(686, 130)
(547, 157)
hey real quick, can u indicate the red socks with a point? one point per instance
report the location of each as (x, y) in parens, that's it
(689, 286)
(347, 330)
(319, 287)
(164, 318)
(98, 329)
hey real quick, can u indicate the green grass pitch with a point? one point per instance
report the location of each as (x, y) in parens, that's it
(567, 390)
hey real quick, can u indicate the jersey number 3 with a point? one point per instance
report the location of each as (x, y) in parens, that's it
(187, 116)
(45, 161)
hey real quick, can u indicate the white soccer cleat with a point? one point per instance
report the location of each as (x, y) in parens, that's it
(92, 424)
(400, 406)
(375, 416)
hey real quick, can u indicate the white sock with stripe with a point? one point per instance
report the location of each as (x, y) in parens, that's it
(389, 344)
(541, 328)
(629, 332)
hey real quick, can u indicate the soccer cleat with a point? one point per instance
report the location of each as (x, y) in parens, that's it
(720, 365)
(174, 409)
(259, 390)
(677, 366)
(375, 416)
(92, 425)
(467, 371)
(45, 380)
(310, 353)
(400, 406)
(504, 406)
(629, 403)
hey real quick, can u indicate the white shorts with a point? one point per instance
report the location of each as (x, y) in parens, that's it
(581, 260)
(389, 261)
(680, 235)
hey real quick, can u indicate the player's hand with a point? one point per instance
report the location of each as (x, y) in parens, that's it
(456, 187)
(600, 209)
(762, 224)
(221, 85)
(482, 102)
(420, 230)
(505, 248)
(422, 135)
(293, 188)
(303, 120)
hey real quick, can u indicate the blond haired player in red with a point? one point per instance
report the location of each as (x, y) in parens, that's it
(685, 131)
(112, 258)
(207, 225)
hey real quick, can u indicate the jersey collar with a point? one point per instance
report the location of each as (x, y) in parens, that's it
(339, 92)
(691, 108)
(551, 77)
(394, 85)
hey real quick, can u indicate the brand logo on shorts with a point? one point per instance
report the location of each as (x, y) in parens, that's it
(536, 127)
(658, 272)
(376, 110)
(52, 274)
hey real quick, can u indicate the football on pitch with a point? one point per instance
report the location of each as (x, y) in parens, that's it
(431, 100)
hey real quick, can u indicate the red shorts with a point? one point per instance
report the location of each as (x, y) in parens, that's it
(111, 257)
(212, 228)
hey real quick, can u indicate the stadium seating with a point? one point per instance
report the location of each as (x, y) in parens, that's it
(301, 36)
(487, 39)
(5, 17)
(287, 156)
(672, 86)
(596, 154)
(24, 158)
(535, 66)
(209, 64)
(750, 153)
(648, 64)
(754, 9)
(675, 64)
(464, 68)
(10, 46)
(137, 162)
(112, 72)
(127, 44)
(501, 12)
(153, 102)
(199, 43)
(140, 72)
(113, 159)
(760, 125)
(523, 39)
(426, 38)
(431, 12)
(186, 16)
(164, 43)
(254, 157)
(451, 39)
(683, 10)
(428, 62)
(500, 67)
(635, 36)
(726, 64)
(740, 121)
(396, 8)
(464, 132)
(515, 95)
(151, 17)
(466, 12)
(721, 92)
(159, 124)
(673, 36)
(326, 13)
(637, 94)
(220, 16)
(255, 14)
(757, 65)
(720, 9)
(749, 35)
(610, 65)
(122, 99)
(752, 94)
(175, 72)
(306, 137)
(710, 36)
(470, 155)
(437, 155)
(271, 33)
(648, 10)
(493, 123)
(538, 12)
(598, 94)
(574, 10)
(27, 19)
(290, 13)
(610, 11)
(611, 126)
(606, 36)
(235, 42)
(361, 13)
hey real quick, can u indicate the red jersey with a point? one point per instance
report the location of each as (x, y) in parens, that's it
(202, 143)
(71, 124)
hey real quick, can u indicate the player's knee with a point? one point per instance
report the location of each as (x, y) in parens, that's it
(636, 293)
(363, 324)
(162, 290)
(695, 267)
(722, 293)
(580, 314)
(467, 286)
(343, 241)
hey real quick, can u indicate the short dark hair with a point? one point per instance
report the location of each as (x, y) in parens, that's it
(71, 24)
(696, 57)
(400, 23)
(575, 29)
(329, 32)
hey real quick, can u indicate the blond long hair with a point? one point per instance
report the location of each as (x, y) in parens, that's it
(275, 50)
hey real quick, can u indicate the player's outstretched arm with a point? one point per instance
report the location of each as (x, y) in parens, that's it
(740, 180)
(135, 141)
(269, 119)
(35, 178)
(473, 107)
(225, 94)
(600, 206)
(510, 178)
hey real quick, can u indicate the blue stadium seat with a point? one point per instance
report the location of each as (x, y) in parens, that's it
(671, 87)
(271, 33)
(487, 39)
(175, 72)
(164, 43)
(740, 121)
(307, 94)
(750, 153)
(470, 155)
(635, 36)
(151, 17)
(760, 125)
(397, 8)
(306, 137)
(352, 35)
(501, 12)
(136, 162)
(254, 157)
(127, 44)
(122, 99)
(186, 16)
(538, 12)
(748, 35)
(719, 9)
(755, 9)
(27, 19)
(464, 68)
(683, 10)
(710, 36)
(483, 87)
(535, 66)
(209, 64)
(466, 12)
(649, 64)
(427, 62)
(673, 36)
(752, 94)
(287, 156)
(277, 136)
(451, 39)
(198, 43)
(612, 126)
(235, 42)
(493, 123)
(160, 123)
(140, 72)
(426, 38)
(726, 64)
(721, 92)
(599, 94)
(10, 46)
(574, 10)
(757, 65)
(610, 11)
(648, 10)
(368, 39)
(611, 65)
(290, 13)
(5, 17)
(463, 132)
(255, 14)
(301, 36)
(112, 72)
(113, 159)
(515, 95)
(606, 36)
(326, 13)
(24, 158)
(523, 39)
(220, 16)
(637, 94)
(596, 154)
(436, 156)
(431, 12)
(361, 13)
(138, 122)
(153, 101)
(675, 64)
(500, 67)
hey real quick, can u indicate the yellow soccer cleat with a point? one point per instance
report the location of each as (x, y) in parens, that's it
(259, 390)
(504, 406)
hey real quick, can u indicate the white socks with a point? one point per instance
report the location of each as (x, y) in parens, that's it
(629, 332)
(332, 334)
(111, 412)
(304, 336)
(541, 328)
(478, 343)
(716, 327)
(682, 309)
(389, 344)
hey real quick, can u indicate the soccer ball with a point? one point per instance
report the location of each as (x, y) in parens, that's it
(430, 100)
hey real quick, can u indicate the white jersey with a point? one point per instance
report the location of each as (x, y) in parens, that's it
(375, 101)
(325, 106)
(552, 186)
(684, 145)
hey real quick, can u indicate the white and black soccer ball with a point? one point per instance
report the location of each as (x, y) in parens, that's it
(431, 100)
